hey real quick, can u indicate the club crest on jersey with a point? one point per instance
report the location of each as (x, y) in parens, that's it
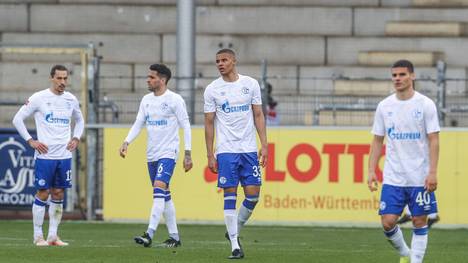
(245, 90)
(164, 106)
(417, 114)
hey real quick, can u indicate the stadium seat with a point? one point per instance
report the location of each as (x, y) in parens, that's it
(424, 28)
(386, 58)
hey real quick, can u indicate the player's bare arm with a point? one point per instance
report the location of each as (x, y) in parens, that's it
(209, 139)
(375, 150)
(431, 180)
(259, 120)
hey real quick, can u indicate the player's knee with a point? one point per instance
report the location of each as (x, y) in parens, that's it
(160, 184)
(250, 201)
(419, 221)
(388, 225)
(43, 194)
(230, 201)
(57, 194)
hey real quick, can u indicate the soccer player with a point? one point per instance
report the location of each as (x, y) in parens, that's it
(409, 121)
(233, 108)
(163, 112)
(53, 109)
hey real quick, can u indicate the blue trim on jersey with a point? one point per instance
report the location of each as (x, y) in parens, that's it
(394, 199)
(52, 174)
(238, 167)
(161, 170)
(39, 202)
(421, 231)
(392, 232)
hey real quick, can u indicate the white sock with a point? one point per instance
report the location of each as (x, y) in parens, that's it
(38, 212)
(418, 244)
(155, 217)
(55, 216)
(230, 218)
(395, 237)
(170, 216)
(244, 215)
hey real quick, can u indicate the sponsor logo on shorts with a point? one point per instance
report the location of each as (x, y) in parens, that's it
(383, 205)
(41, 182)
(222, 180)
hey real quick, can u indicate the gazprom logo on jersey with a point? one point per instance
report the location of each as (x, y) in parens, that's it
(402, 135)
(238, 108)
(151, 122)
(51, 119)
(16, 172)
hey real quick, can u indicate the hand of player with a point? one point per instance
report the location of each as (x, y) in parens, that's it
(38, 146)
(372, 182)
(263, 156)
(72, 144)
(123, 149)
(213, 164)
(430, 184)
(188, 162)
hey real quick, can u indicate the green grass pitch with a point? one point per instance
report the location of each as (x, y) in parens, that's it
(113, 242)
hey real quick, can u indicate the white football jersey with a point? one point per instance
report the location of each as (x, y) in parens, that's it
(52, 114)
(234, 122)
(405, 124)
(162, 115)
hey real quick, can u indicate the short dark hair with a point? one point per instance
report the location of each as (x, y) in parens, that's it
(403, 63)
(226, 50)
(59, 68)
(163, 71)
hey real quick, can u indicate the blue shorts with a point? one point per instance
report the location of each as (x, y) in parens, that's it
(161, 170)
(52, 174)
(235, 167)
(394, 199)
